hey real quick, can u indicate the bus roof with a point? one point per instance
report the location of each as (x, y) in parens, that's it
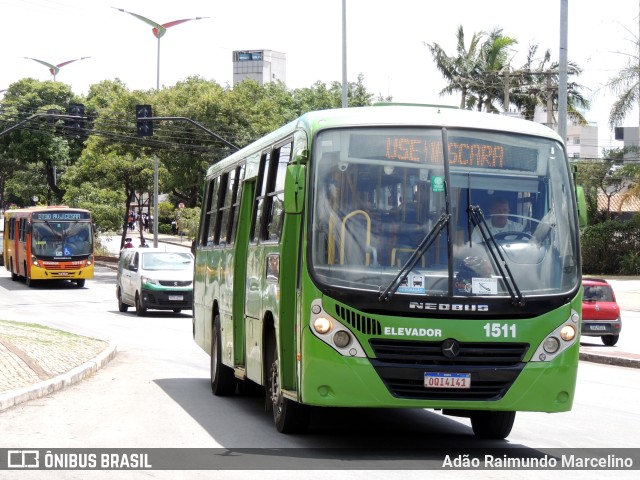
(397, 115)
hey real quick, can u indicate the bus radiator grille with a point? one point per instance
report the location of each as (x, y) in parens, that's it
(366, 325)
(402, 364)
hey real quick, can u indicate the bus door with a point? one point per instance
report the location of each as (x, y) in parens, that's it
(263, 254)
(256, 277)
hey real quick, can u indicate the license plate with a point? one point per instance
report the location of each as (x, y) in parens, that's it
(599, 327)
(62, 274)
(178, 298)
(447, 380)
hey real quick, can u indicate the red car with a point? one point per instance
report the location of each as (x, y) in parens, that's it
(600, 311)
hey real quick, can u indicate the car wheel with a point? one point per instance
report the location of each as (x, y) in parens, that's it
(122, 307)
(176, 310)
(610, 340)
(140, 310)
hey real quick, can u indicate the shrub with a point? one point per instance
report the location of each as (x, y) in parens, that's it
(610, 248)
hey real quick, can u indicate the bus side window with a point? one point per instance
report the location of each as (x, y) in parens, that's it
(212, 211)
(261, 189)
(275, 196)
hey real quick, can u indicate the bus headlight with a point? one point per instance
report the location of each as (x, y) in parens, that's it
(568, 333)
(34, 260)
(322, 325)
(341, 339)
(551, 345)
(558, 340)
(329, 329)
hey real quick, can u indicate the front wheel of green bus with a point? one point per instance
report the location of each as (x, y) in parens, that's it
(289, 416)
(494, 425)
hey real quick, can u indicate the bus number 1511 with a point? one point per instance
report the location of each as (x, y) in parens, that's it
(497, 330)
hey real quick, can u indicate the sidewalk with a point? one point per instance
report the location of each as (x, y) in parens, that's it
(36, 360)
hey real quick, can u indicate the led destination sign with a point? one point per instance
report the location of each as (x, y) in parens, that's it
(428, 149)
(58, 216)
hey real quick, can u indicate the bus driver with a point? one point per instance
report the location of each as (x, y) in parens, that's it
(499, 220)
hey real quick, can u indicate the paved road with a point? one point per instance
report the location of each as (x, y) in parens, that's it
(36, 360)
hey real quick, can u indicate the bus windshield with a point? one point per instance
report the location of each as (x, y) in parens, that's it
(61, 239)
(428, 211)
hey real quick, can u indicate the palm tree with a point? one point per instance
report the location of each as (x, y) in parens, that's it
(536, 85)
(626, 85)
(478, 71)
(462, 70)
(493, 69)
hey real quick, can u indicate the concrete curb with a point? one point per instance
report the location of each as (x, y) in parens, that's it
(46, 387)
(621, 360)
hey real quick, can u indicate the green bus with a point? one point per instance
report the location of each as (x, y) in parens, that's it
(353, 258)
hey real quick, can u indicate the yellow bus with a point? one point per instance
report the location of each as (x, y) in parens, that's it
(49, 243)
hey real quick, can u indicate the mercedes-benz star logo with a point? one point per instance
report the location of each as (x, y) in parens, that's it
(450, 348)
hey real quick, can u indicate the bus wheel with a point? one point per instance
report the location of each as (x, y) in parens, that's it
(29, 282)
(80, 283)
(289, 416)
(610, 340)
(140, 310)
(14, 276)
(494, 425)
(122, 307)
(223, 381)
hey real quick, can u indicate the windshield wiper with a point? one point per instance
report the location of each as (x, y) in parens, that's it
(424, 245)
(476, 216)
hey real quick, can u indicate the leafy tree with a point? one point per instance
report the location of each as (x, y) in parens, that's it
(48, 145)
(596, 180)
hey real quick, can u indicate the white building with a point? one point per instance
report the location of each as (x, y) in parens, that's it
(263, 66)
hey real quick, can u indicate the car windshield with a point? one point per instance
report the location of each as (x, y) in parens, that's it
(598, 293)
(378, 194)
(167, 261)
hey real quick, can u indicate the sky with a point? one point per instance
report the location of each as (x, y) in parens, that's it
(385, 41)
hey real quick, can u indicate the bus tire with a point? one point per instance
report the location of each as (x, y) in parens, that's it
(140, 310)
(288, 416)
(14, 275)
(223, 381)
(28, 281)
(80, 283)
(493, 425)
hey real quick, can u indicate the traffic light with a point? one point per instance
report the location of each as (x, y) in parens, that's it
(144, 127)
(75, 124)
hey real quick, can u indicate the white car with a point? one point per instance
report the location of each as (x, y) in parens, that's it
(152, 278)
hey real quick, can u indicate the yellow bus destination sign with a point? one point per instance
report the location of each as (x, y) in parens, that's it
(57, 216)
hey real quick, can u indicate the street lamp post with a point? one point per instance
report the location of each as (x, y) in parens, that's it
(159, 31)
(54, 69)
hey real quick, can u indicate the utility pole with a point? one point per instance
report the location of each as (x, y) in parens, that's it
(344, 53)
(562, 87)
